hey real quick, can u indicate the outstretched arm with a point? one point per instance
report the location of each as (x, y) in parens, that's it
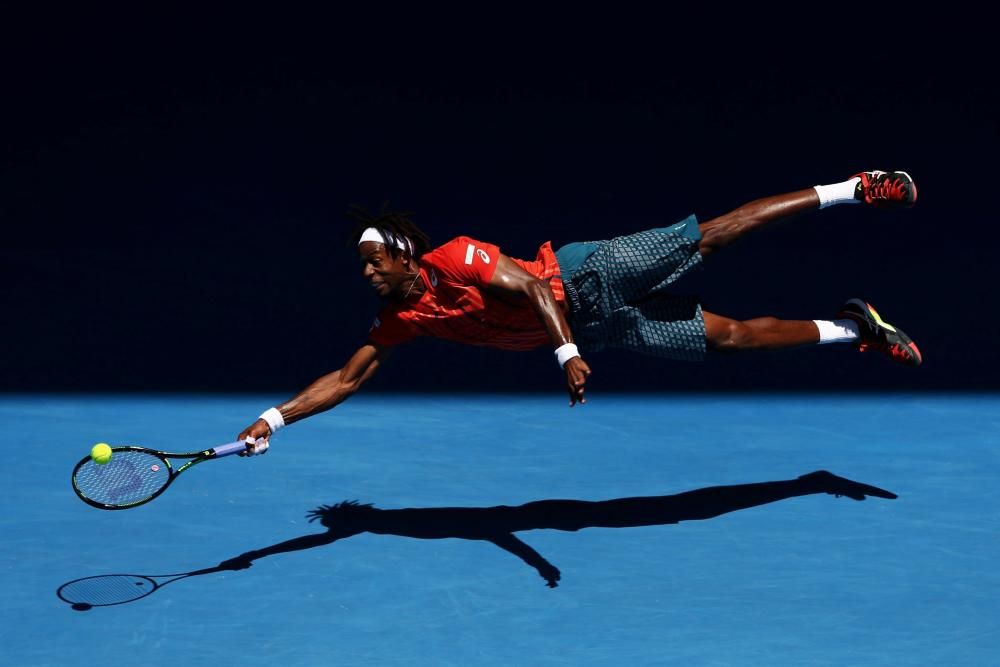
(326, 392)
(510, 277)
(550, 573)
(245, 560)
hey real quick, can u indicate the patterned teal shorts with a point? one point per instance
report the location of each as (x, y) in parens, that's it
(623, 294)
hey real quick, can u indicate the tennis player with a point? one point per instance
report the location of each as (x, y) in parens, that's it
(621, 293)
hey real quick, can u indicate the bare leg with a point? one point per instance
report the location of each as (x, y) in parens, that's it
(762, 333)
(720, 232)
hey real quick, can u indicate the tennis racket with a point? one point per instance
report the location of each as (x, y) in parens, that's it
(111, 589)
(136, 475)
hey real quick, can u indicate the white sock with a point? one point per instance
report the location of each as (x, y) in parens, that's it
(838, 193)
(837, 331)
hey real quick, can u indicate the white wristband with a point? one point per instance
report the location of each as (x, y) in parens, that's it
(274, 419)
(566, 352)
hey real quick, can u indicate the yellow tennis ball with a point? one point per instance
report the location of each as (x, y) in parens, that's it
(101, 453)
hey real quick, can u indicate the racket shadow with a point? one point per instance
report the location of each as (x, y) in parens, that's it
(496, 525)
(107, 590)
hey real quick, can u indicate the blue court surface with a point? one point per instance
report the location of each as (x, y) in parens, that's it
(806, 580)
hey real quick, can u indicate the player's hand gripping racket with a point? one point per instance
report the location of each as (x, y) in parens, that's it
(136, 475)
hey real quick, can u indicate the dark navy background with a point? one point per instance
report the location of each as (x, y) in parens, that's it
(172, 187)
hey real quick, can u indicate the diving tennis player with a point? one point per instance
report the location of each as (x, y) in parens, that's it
(621, 293)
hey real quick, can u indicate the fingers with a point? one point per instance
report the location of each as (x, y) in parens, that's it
(577, 372)
(576, 395)
(256, 446)
(256, 436)
(258, 429)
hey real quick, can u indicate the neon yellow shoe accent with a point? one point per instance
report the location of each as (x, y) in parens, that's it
(879, 319)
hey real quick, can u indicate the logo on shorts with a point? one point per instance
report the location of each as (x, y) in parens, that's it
(376, 323)
(434, 279)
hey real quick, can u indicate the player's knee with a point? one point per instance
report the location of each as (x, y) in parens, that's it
(712, 238)
(720, 232)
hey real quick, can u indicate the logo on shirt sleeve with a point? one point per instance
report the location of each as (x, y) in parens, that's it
(471, 251)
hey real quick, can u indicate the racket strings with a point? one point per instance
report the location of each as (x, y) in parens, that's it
(107, 589)
(128, 478)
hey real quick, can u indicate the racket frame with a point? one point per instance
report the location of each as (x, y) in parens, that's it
(196, 458)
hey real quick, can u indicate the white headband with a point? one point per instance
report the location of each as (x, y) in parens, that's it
(372, 234)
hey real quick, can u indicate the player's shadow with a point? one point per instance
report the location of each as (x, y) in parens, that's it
(498, 524)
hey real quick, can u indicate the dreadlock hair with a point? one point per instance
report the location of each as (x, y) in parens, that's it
(391, 225)
(339, 514)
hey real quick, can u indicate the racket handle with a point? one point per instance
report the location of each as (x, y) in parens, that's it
(230, 448)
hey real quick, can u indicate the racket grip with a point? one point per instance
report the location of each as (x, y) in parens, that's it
(230, 448)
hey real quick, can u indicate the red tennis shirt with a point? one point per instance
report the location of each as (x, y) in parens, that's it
(456, 307)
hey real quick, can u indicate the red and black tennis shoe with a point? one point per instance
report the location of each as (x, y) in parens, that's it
(880, 336)
(886, 189)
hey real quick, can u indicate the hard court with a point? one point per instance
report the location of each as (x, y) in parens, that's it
(811, 580)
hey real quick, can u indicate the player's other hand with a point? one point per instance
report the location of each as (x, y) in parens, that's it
(256, 431)
(577, 372)
(551, 575)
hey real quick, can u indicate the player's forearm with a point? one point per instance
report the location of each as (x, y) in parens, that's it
(323, 394)
(547, 570)
(549, 313)
(333, 388)
(294, 544)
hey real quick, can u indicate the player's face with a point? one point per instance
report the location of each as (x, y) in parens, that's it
(387, 276)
